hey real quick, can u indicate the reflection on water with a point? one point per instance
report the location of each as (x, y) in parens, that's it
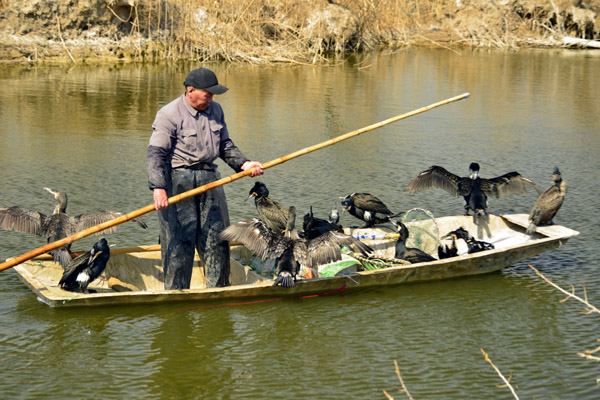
(85, 130)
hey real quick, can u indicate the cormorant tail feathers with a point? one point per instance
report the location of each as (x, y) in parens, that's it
(285, 279)
(531, 229)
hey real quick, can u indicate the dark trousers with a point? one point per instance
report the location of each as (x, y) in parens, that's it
(194, 223)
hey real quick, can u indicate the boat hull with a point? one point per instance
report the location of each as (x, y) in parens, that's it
(136, 276)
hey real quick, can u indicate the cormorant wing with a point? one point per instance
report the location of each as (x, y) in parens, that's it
(20, 219)
(436, 177)
(349, 241)
(257, 237)
(368, 202)
(77, 265)
(85, 221)
(318, 251)
(326, 248)
(509, 183)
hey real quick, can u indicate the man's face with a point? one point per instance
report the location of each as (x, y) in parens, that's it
(198, 98)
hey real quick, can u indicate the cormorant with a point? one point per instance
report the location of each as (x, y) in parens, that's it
(474, 189)
(367, 208)
(289, 250)
(409, 254)
(270, 211)
(334, 216)
(445, 251)
(84, 269)
(473, 245)
(548, 204)
(314, 227)
(56, 226)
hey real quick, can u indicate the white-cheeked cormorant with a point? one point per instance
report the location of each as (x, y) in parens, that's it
(445, 251)
(473, 245)
(367, 208)
(84, 269)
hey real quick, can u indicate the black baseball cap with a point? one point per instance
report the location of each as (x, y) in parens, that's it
(203, 78)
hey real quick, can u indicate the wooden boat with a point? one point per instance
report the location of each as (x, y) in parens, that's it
(134, 275)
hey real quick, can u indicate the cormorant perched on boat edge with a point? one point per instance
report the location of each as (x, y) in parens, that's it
(475, 190)
(410, 254)
(58, 225)
(289, 250)
(84, 269)
(270, 211)
(367, 208)
(548, 204)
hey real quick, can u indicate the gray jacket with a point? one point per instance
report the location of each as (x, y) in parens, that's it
(182, 135)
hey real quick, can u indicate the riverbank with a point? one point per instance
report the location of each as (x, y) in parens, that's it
(296, 31)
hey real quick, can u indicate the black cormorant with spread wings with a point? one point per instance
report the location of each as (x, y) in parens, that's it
(290, 250)
(269, 210)
(548, 204)
(56, 226)
(474, 189)
(84, 269)
(367, 208)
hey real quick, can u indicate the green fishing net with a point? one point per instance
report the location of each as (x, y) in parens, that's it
(424, 232)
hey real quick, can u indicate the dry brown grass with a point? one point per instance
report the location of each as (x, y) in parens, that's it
(246, 30)
(305, 31)
(308, 30)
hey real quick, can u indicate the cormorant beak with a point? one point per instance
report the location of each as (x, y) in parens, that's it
(55, 194)
(96, 255)
(250, 195)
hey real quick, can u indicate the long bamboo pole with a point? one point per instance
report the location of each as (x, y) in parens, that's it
(134, 214)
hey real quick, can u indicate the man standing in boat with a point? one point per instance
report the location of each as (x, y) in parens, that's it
(188, 135)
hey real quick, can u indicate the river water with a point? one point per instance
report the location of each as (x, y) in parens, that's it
(84, 130)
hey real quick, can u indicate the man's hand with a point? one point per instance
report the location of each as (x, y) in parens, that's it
(161, 201)
(257, 168)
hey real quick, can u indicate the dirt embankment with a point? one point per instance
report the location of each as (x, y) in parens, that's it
(277, 30)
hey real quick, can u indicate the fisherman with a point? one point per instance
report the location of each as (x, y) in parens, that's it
(188, 135)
